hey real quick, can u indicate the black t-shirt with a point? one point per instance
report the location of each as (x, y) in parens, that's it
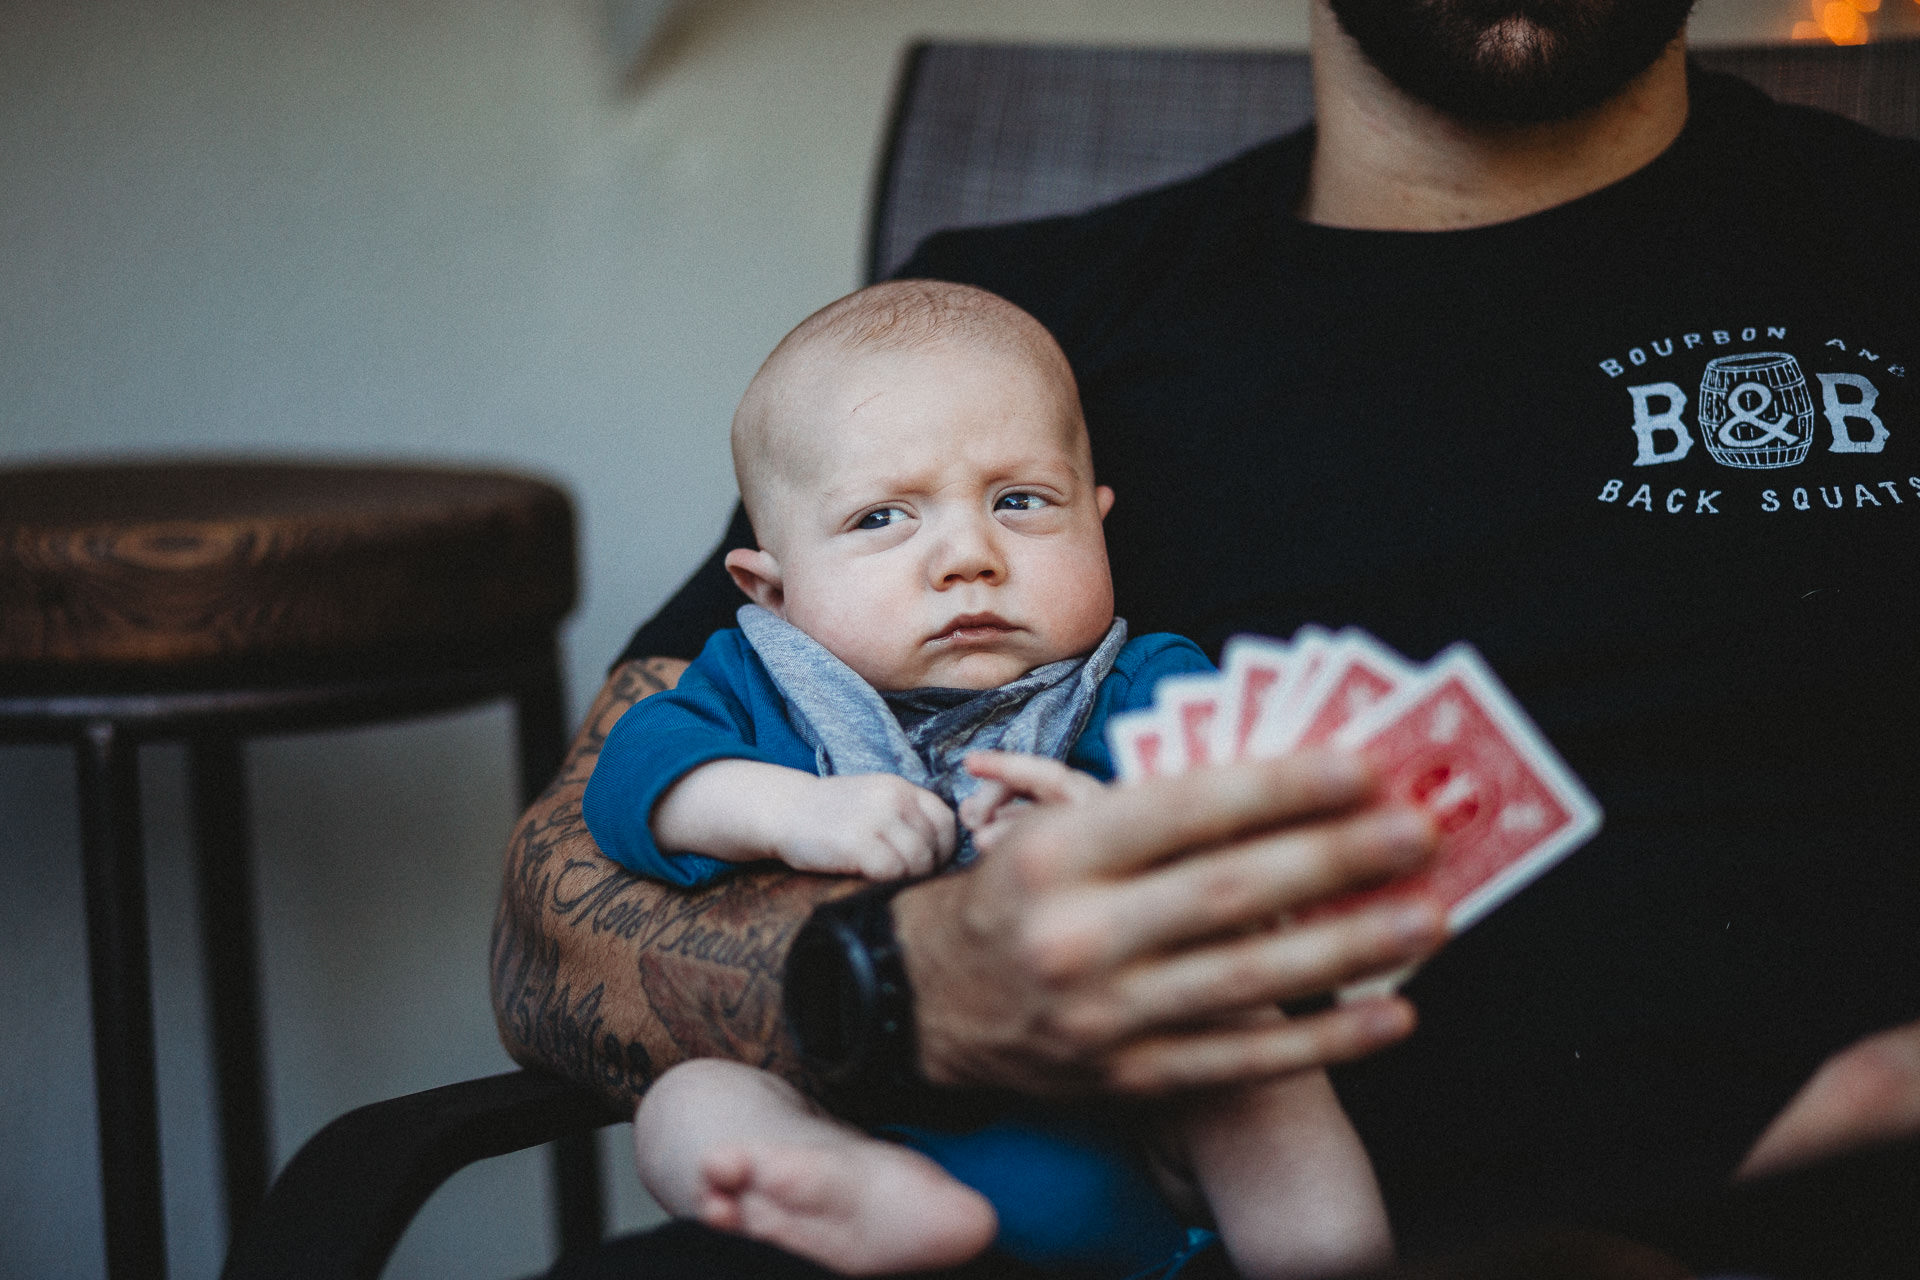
(1657, 454)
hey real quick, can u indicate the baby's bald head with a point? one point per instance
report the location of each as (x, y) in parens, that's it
(777, 441)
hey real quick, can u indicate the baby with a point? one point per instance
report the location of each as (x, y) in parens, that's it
(932, 582)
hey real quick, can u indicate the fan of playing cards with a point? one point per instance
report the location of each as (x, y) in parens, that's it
(1445, 736)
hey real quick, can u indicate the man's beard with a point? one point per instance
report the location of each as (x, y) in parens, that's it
(1512, 61)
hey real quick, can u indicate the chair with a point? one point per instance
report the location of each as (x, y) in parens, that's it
(981, 133)
(213, 601)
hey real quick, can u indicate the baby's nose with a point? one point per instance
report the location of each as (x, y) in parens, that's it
(970, 553)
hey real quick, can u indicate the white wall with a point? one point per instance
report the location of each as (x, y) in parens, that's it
(424, 229)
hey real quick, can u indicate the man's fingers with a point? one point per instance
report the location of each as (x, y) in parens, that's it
(1241, 1054)
(1284, 964)
(1252, 972)
(977, 810)
(1134, 826)
(1038, 778)
(1101, 925)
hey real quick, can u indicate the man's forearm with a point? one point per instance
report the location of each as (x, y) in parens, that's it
(609, 979)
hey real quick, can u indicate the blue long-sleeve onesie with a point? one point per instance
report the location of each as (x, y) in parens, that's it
(1069, 1192)
(727, 707)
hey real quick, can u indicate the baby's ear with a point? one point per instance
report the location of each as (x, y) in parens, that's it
(758, 574)
(1103, 498)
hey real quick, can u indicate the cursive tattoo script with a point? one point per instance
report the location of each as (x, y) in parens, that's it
(608, 979)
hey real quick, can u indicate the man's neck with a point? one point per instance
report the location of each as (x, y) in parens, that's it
(1383, 161)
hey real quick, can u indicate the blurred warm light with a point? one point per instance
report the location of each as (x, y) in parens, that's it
(1865, 6)
(1842, 23)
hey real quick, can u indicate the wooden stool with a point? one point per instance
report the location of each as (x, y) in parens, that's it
(211, 601)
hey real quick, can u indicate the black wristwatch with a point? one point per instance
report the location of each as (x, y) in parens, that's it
(848, 1004)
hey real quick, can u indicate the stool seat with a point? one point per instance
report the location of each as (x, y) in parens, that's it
(207, 601)
(140, 569)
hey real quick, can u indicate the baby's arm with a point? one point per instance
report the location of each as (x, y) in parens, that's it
(710, 773)
(872, 824)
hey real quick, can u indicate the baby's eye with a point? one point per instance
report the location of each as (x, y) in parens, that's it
(882, 518)
(1020, 502)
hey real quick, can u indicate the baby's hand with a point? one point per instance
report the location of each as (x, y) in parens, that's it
(869, 824)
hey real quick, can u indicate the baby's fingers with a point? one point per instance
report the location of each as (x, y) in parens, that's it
(938, 826)
(908, 846)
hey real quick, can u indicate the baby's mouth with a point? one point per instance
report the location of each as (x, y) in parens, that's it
(974, 628)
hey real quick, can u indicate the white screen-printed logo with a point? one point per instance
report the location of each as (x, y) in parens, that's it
(1757, 413)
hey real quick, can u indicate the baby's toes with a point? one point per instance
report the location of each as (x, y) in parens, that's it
(727, 1170)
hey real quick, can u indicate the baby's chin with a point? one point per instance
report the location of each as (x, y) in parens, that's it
(977, 670)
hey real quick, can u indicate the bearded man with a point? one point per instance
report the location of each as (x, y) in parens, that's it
(1538, 338)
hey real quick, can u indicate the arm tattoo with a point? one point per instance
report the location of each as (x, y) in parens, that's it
(609, 979)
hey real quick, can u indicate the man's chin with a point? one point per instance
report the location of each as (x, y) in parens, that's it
(1517, 62)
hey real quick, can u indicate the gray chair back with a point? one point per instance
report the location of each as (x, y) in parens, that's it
(987, 133)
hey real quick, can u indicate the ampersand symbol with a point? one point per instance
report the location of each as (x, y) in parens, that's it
(1748, 415)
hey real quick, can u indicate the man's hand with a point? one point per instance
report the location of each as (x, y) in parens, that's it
(1867, 1093)
(1105, 944)
(1114, 942)
(875, 825)
(1008, 780)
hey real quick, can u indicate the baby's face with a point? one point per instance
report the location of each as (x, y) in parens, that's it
(940, 525)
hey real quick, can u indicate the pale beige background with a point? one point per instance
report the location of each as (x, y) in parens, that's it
(430, 229)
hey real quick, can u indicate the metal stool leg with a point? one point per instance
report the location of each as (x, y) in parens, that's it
(579, 1201)
(217, 789)
(129, 1113)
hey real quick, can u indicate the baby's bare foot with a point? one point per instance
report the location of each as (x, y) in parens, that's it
(858, 1205)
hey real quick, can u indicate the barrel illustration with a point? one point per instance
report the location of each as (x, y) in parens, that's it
(1755, 410)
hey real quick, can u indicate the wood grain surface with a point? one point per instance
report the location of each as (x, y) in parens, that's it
(162, 563)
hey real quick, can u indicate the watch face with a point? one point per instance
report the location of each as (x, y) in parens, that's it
(829, 996)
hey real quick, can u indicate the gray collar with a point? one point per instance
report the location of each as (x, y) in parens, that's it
(924, 734)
